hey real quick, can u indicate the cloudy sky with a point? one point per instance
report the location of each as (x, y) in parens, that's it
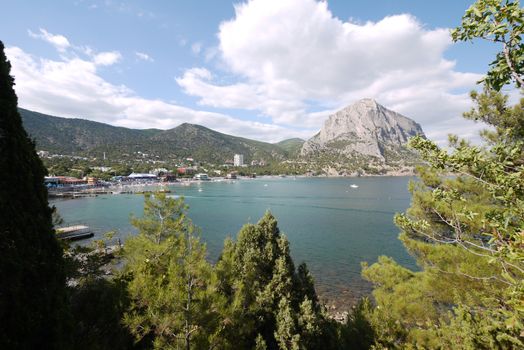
(263, 69)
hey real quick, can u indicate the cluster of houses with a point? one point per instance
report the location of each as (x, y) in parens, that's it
(53, 182)
(46, 154)
(155, 175)
(68, 182)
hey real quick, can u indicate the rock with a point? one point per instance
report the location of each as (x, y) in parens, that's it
(366, 131)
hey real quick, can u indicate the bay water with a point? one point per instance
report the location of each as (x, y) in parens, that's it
(331, 226)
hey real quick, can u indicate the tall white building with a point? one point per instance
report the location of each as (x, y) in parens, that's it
(238, 160)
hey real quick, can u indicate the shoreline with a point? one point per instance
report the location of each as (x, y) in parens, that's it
(336, 293)
(142, 187)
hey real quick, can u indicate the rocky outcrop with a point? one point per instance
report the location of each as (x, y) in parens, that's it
(364, 139)
(363, 130)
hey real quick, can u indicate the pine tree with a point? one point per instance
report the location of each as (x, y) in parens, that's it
(286, 332)
(32, 287)
(271, 304)
(466, 231)
(466, 234)
(173, 301)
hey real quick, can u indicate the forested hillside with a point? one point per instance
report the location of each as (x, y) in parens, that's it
(84, 137)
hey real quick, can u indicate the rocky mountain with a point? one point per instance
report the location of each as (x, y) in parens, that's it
(363, 135)
(362, 138)
(87, 138)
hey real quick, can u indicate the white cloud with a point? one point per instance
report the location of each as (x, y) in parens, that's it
(199, 82)
(73, 88)
(60, 42)
(144, 57)
(290, 57)
(196, 48)
(287, 61)
(107, 58)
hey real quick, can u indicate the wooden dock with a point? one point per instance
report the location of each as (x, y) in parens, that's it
(94, 193)
(74, 233)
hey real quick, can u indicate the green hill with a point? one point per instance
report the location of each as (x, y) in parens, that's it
(77, 136)
(87, 138)
(291, 146)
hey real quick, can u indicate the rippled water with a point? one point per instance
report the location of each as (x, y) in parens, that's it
(331, 226)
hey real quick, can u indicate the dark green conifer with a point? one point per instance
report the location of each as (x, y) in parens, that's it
(32, 279)
(271, 304)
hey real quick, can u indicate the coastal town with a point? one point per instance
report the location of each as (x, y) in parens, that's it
(111, 180)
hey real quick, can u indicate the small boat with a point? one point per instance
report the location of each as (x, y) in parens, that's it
(353, 186)
(200, 190)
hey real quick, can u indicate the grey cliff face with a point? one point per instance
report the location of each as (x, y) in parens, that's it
(365, 128)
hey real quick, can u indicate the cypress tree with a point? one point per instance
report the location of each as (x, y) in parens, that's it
(32, 278)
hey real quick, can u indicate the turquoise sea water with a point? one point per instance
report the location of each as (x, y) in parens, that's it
(331, 226)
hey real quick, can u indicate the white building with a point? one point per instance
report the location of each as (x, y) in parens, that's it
(140, 176)
(43, 154)
(238, 160)
(103, 169)
(159, 171)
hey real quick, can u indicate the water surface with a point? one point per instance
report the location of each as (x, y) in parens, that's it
(331, 226)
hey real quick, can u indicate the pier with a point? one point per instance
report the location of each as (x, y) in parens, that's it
(104, 191)
(74, 233)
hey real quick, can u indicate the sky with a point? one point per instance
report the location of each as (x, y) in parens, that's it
(263, 69)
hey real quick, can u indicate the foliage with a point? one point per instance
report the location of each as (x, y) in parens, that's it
(173, 302)
(97, 299)
(97, 307)
(252, 297)
(466, 221)
(334, 157)
(502, 22)
(291, 146)
(269, 302)
(32, 287)
(91, 139)
(357, 332)
(466, 234)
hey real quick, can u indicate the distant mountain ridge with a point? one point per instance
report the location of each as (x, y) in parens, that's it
(361, 134)
(89, 138)
(363, 138)
(73, 135)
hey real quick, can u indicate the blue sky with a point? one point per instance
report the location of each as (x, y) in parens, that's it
(264, 69)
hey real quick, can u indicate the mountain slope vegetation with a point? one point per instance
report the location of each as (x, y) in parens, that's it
(89, 138)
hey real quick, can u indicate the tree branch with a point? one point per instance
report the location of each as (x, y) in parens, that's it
(510, 64)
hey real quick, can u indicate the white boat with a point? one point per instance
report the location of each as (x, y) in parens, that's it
(201, 177)
(353, 186)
